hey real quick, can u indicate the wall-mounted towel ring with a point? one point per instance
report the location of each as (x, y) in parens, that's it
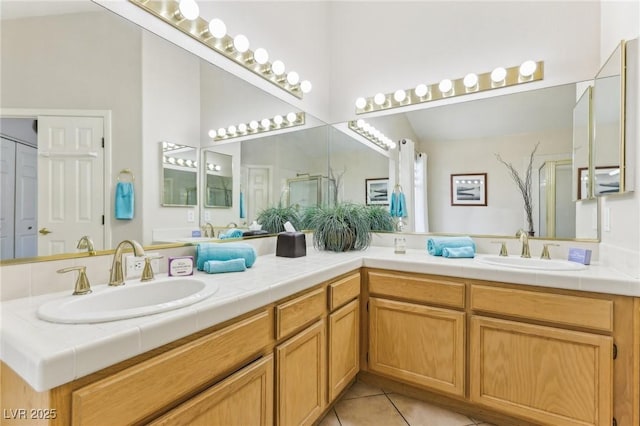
(125, 172)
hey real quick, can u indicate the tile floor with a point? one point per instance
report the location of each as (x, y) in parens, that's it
(365, 405)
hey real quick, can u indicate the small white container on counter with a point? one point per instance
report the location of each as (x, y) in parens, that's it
(180, 266)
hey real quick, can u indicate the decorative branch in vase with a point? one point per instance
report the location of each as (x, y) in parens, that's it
(524, 186)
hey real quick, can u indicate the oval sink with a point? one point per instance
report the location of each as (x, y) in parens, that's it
(132, 300)
(523, 263)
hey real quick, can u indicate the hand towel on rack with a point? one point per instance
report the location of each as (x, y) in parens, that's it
(243, 213)
(224, 251)
(124, 202)
(436, 244)
(402, 205)
(220, 266)
(458, 252)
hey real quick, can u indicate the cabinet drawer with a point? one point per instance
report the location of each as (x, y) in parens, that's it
(298, 312)
(343, 291)
(560, 309)
(426, 289)
(142, 390)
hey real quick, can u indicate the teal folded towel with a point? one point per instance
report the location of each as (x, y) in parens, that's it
(458, 252)
(124, 200)
(220, 266)
(436, 244)
(232, 233)
(224, 251)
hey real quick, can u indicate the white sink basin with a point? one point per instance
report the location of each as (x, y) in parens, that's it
(531, 263)
(135, 299)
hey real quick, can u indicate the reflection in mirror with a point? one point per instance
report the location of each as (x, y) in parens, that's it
(179, 175)
(608, 115)
(581, 187)
(218, 179)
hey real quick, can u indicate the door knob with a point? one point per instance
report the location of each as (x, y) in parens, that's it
(44, 231)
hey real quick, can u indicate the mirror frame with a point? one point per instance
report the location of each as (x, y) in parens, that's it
(205, 175)
(163, 203)
(587, 96)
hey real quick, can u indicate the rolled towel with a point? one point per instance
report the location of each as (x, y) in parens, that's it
(224, 251)
(220, 266)
(436, 244)
(231, 233)
(458, 252)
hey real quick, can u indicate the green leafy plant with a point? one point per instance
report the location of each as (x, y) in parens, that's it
(273, 219)
(380, 218)
(342, 227)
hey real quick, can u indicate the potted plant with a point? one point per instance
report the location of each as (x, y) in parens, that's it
(380, 218)
(342, 227)
(273, 219)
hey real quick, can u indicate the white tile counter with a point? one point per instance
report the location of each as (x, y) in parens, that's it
(47, 354)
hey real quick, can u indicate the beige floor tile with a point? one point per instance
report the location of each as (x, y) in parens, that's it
(359, 389)
(368, 411)
(420, 413)
(330, 419)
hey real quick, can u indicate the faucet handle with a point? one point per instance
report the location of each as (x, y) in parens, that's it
(545, 250)
(147, 271)
(82, 282)
(503, 247)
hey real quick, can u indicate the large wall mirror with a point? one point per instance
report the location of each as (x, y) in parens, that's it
(582, 144)
(217, 172)
(179, 174)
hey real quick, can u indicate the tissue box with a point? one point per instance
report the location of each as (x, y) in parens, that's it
(291, 244)
(580, 255)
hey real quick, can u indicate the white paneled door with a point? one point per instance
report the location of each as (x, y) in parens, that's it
(7, 200)
(70, 182)
(259, 190)
(26, 207)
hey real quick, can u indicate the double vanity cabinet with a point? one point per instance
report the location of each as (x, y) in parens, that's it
(509, 354)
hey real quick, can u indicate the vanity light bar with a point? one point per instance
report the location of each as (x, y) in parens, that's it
(372, 134)
(500, 77)
(184, 15)
(179, 161)
(253, 127)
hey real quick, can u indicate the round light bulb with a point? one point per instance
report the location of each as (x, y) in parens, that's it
(180, 161)
(277, 67)
(292, 117)
(222, 132)
(366, 127)
(361, 103)
(253, 124)
(392, 145)
(498, 75)
(189, 163)
(400, 95)
(241, 43)
(528, 68)
(210, 166)
(305, 86)
(189, 9)
(261, 56)
(379, 99)
(445, 86)
(293, 78)
(217, 28)
(164, 158)
(242, 128)
(278, 120)
(265, 123)
(217, 167)
(172, 160)
(470, 80)
(231, 129)
(212, 133)
(421, 90)
(360, 123)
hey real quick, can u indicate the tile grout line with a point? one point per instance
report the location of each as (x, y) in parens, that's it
(398, 410)
(337, 417)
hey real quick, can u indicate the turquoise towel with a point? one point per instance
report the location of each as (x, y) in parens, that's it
(458, 252)
(243, 213)
(224, 251)
(398, 205)
(436, 244)
(124, 200)
(232, 233)
(220, 266)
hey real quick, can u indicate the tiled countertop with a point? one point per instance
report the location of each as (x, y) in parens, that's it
(47, 354)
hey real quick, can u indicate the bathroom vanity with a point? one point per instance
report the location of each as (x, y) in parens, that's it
(502, 345)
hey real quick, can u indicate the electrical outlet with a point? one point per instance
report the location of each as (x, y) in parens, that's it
(191, 215)
(135, 265)
(207, 216)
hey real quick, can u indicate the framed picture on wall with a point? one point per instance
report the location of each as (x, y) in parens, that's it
(606, 181)
(377, 191)
(469, 189)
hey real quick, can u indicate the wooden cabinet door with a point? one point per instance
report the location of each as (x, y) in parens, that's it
(344, 347)
(245, 398)
(417, 344)
(547, 375)
(301, 376)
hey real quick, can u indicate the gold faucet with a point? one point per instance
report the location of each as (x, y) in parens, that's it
(545, 250)
(524, 239)
(82, 282)
(116, 277)
(208, 230)
(86, 243)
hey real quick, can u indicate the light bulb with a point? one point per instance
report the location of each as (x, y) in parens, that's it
(241, 43)
(379, 99)
(217, 28)
(305, 86)
(189, 9)
(222, 132)
(265, 123)
(360, 123)
(180, 161)
(189, 163)
(366, 127)
(242, 128)
(445, 86)
(400, 95)
(361, 103)
(470, 80)
(253, 124)
(261, 56)
(528, 68)
(210, 166)
(164, 158)
(277, 67)
(278, 119)
(498, 75)
(421, 90)
(231, 129)
(217, 167)
(392, 145)
(172, 160)
(212, 133)
(293, 78)
(292, 117)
